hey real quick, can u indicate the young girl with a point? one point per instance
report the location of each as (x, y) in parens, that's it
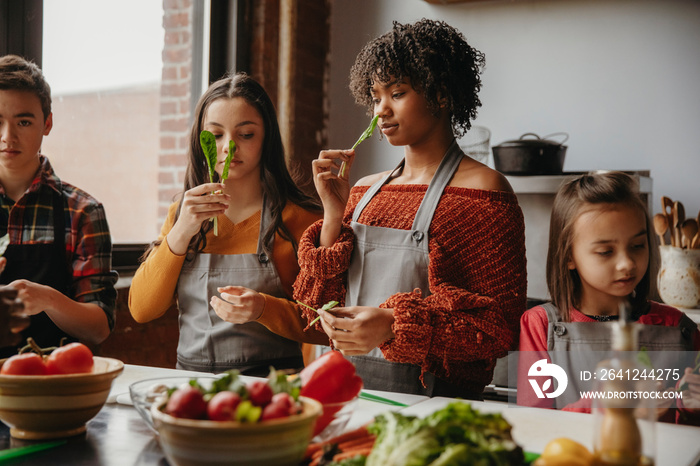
(251, 263)
(428, 259)
(599, 258)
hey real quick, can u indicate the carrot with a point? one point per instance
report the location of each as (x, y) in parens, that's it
(351, 444)
(344, 437)
(352, 453)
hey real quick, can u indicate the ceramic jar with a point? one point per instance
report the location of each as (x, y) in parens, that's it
(679, 277)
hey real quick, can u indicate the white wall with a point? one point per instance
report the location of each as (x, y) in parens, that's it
(622, 77)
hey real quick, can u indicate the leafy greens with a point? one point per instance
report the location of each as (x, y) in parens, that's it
(208, 142)
(329, 305)
(454, 435)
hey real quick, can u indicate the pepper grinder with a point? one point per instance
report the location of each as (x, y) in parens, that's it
(625, 425)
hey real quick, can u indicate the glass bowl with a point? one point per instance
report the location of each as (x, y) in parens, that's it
(145, 393)
(334, 418)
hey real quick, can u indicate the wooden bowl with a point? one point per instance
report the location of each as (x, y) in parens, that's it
(54, 406)
(275, 442)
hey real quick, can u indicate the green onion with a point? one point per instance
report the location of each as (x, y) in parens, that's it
(366, 135)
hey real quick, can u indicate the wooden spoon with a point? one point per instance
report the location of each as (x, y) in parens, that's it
(661, 226)
(695, 244)
(667, 205)
(689, 230)
(678, 219)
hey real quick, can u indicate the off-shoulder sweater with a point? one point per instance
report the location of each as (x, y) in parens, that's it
(154, 286)
(477, 279)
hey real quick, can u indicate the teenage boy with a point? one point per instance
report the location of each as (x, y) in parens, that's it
(60, 252)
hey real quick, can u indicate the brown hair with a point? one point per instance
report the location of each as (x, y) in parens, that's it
(19, 74)
(277, 183)
(597, 188)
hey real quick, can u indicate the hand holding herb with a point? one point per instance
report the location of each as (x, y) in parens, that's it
(329, 305)
(366, 135)
(208, 142)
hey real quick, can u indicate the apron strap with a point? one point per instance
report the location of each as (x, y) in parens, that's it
(446, 170)
(265, 221)
(374, 189)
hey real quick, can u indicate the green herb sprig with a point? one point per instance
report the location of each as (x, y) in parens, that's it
(208, 142)
(366, 135)
(328, 306)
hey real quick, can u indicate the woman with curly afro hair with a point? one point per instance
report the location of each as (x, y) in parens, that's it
(427, 260)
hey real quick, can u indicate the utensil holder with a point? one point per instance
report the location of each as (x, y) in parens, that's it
(678, 280)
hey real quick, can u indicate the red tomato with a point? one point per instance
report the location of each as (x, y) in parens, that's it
(187, 402)
(282, 405)
(259, 393)
(222, 406)
(73, 358)
(24, 364)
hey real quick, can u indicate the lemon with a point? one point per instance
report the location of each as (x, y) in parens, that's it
(564, 451)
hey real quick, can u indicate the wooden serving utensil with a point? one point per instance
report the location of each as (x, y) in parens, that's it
(661, 226)
(678, 219)
(667, 205)
(689, 230)
(695, 244)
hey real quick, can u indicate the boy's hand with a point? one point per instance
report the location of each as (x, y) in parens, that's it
(36, 298)
(12, 319)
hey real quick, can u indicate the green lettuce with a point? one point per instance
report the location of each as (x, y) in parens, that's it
(208, 142)
(454, 435)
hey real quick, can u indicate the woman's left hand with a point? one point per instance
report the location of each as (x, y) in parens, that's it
(238, 304)
(357, 330)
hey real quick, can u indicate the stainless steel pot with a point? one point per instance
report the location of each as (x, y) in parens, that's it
(527, 156)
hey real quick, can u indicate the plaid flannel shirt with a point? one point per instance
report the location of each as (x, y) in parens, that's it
(88, 241)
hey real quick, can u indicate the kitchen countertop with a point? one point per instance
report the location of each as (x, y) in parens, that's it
(118, 436)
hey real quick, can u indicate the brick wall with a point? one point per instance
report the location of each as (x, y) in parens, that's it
(175, 101)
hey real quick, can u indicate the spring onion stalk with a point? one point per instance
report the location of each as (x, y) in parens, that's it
(329, 305)
(366, 135)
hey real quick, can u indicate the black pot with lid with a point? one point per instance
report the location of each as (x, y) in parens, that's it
(531, 156)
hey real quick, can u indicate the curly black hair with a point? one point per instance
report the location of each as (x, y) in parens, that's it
(435, 57)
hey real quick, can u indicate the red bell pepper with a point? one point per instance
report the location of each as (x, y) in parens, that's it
(330, 379)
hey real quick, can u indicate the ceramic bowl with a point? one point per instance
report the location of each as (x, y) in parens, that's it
(55, 406)
(275, 442)
(148, 391)
(333, 419)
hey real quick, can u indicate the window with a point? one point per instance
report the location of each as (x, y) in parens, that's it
(103, 62)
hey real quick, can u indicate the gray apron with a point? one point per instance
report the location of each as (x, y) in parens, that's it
(569, 344)
(209, 344)
(386, 261)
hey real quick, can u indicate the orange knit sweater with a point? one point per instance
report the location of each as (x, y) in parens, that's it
(477, 279)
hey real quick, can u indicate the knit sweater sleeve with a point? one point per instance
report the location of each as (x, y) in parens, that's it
(477, 282)
(154, 284)
(324, 269)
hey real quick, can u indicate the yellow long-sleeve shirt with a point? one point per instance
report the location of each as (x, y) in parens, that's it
(154, 286)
